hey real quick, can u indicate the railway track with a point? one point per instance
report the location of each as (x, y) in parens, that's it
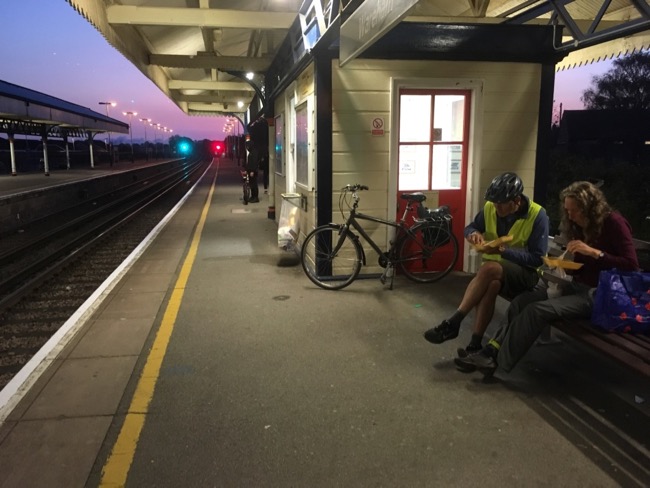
(51, 270)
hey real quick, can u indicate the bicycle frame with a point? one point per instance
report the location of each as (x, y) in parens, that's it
(351, 222)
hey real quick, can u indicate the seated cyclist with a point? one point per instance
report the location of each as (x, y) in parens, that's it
(508, 270)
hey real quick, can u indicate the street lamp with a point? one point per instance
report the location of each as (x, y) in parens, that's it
(146, 152)
(130, 115)
(110, 146)
(155, 149)
(162, 148)
(165, 129)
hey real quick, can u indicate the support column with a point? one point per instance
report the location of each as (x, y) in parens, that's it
(67, 152)
(545, 122)
(46, 163)
(323, 92)
(92, 155)
(12, 153)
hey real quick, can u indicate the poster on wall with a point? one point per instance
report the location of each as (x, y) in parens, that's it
(279, 144)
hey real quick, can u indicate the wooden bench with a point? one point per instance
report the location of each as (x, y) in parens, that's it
(629, 349)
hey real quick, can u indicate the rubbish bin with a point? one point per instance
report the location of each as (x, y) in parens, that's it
(289, 224)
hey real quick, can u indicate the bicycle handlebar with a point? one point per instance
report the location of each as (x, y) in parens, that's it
(356, 187)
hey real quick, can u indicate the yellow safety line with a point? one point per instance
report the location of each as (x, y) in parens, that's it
(119, 462)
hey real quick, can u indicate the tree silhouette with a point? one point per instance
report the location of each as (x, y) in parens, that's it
(625, 86)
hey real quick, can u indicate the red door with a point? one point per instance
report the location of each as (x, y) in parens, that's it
(432, 151)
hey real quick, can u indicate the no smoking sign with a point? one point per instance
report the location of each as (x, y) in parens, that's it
(377, 126)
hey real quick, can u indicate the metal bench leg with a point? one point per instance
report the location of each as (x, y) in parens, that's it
(546, 337)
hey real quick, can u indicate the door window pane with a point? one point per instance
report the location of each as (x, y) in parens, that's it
(302, 145)
(414, 118)
(446, 168)
(448, 118)
(413, 167)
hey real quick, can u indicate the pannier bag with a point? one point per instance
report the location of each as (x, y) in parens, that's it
(622, 301)
(440, 216)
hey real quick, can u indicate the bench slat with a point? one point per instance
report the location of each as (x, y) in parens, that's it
(631, 343)
(640, 340)
(643, 339)
(620, 355)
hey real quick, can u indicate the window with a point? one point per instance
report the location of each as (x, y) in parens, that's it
(302, 144)
(432, 139)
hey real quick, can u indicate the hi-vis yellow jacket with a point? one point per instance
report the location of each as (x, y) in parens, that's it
(520, 230)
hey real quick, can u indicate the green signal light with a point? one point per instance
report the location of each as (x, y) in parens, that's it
(184, 148)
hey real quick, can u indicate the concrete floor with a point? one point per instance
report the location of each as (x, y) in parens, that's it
(268, 381)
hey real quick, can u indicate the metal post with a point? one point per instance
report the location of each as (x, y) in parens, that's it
(67, 152)
(110, 144)
(130, 116)
(12, 152)
(146, 151)
(155, 149)
(46, 164)
(92, 154)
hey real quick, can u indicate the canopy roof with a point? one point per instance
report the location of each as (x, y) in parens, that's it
(198, 51)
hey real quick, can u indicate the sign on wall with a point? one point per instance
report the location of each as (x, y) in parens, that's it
(368, 23)
(377, 126)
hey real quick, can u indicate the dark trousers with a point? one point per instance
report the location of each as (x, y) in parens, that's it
(265, 178)
(255, 191)
(531, 312)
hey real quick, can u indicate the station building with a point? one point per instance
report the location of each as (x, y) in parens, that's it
(428, 123)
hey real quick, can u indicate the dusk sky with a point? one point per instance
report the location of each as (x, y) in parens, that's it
(50, 48)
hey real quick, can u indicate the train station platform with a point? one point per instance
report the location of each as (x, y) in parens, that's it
(34, 181)
(212, 361)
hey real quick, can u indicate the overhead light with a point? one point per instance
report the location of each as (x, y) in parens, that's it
(240, 104)
(250, 75)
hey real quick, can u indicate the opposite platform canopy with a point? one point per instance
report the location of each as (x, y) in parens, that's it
(25, 111)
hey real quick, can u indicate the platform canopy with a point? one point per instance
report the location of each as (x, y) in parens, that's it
(25, 111)
(198, 52)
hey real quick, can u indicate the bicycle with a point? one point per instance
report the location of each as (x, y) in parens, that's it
(425, 251)
(247, 186)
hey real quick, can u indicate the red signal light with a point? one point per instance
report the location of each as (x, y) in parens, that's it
(218, 148)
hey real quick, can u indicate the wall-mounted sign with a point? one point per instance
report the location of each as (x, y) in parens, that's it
(368, 23)
(377, 126)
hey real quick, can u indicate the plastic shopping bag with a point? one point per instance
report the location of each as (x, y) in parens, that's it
(556, 280)
(289, 226)
(622, 301)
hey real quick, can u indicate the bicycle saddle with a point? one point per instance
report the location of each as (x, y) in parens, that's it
(416, 197)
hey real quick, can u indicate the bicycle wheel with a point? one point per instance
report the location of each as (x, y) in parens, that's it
(330, 259)
(428, 252)
(247, 192)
